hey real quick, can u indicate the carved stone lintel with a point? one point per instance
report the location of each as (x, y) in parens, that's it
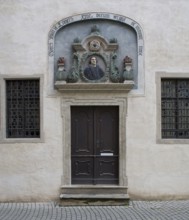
(95, 87)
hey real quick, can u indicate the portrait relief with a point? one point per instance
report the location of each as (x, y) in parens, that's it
(94, 68)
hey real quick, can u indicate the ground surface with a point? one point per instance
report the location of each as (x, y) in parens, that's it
(137, 210)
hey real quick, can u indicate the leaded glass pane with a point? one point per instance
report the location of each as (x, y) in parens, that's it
(23, 113)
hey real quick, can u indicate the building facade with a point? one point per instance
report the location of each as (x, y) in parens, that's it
(94, 100)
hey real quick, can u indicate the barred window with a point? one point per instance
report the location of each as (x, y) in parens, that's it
(23, 109)
(175, 108)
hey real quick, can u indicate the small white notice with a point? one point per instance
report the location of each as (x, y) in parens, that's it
(106, 154)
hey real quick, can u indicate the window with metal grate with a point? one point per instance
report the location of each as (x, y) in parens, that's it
(22, 108)
(175, 108)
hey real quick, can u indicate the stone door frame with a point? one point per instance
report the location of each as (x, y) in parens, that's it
(101, 100)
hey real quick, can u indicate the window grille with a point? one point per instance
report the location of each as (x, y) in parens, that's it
(23, 108)
(175, 108)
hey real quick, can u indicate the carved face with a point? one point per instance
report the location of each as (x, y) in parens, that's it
(93, 61)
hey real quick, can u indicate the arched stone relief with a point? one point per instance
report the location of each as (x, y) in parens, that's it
(115, 41)
(93, 47)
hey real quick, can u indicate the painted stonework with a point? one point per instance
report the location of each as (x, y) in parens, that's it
(73, 29)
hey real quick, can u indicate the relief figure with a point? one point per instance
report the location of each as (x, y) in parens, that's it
(93, 71)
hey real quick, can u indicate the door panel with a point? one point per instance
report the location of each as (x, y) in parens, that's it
(106, 170)
(82, 131)
(106, 130)
(82, 170)
(94, 145)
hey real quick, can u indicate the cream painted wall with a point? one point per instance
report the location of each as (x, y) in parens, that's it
(32, 172)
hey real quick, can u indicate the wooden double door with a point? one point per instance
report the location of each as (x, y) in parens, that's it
(95, 144)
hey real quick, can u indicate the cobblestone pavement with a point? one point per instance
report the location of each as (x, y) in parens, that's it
(137, 210)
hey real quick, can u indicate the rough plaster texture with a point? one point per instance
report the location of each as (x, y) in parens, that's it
(30, 171)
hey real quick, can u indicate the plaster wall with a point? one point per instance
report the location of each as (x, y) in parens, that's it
(32, 171)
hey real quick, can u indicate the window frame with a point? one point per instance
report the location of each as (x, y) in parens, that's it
(3, 122)
(159, 77)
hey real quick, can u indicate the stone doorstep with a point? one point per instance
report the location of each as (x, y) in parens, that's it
(93, 195)
(94, 190)
(93, 200)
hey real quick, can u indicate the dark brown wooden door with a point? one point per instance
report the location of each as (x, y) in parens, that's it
(94, 144)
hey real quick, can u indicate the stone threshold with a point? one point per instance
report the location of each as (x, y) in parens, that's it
(93, 195)
(92, 189)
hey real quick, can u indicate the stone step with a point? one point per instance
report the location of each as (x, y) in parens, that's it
(91, 190)
(93, 199)
(93, 195)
